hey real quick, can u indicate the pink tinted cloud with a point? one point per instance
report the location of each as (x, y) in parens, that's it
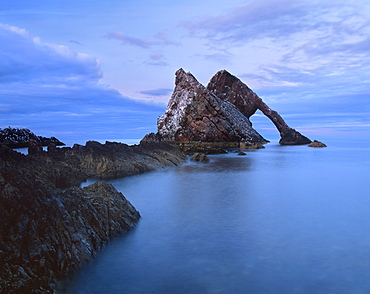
(161, 38)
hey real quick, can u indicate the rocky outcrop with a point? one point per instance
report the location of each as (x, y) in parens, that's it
(45, 232)
(200, 157)
(19, 138)
(316, 143)
(196, 114)
(233, 90)
(113, 160)
(218, 113)
(49, 226)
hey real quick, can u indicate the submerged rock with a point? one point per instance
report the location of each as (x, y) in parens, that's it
(200, 157)
(316, 143)
(233, 90)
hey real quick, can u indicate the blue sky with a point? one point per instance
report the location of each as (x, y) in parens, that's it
(104, 70)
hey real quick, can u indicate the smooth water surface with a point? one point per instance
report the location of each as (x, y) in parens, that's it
(285, 219)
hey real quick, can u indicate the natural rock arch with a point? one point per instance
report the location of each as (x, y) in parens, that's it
(231, 89)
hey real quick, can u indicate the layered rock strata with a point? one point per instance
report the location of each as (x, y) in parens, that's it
(196, 114)
(49, 226)
(233, 90)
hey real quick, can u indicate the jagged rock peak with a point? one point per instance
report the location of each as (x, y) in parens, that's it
(196, 114)
(231, 89)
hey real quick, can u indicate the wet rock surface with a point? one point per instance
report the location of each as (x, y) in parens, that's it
(316, 143)
(50, 226)
(200, 157)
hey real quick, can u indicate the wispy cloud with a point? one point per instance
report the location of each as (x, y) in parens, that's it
(157, 92)
(76, 42)
(160, 38)
(157, 59)
(305, 43)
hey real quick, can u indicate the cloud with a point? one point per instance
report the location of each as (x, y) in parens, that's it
(26, 57)
(157, 92)
(161, 38)
(219, 57)
(51, 87)
(302, 42)
(254, 20)
(128, 40)
(76, 42)
(157, 59)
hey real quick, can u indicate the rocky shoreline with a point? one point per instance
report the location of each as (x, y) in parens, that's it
(50, 226)
(20, 138)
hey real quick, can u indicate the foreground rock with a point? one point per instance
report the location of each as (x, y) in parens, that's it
(233, 90)
(19, 138)
(200, 157)
(49, 226)
(316, 143)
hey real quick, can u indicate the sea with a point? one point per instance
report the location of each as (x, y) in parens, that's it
(284, 219)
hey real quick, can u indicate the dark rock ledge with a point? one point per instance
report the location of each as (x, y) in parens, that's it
(49, 226)
(20, 138)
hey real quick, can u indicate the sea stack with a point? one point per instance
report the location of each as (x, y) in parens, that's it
(195, 114)
(217, 116)
(230, 88)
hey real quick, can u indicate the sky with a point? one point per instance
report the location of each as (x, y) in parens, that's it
(104, 70)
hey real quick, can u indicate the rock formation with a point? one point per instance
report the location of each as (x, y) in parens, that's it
(45, 232)
(49, 226)
(19, 138)
(316, 143)
(217, 114)
(233, 90)
(195, 114)
(200, 157)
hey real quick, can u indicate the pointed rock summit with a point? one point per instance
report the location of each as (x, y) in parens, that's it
(218, 113)
(196, 114)
(233, 90)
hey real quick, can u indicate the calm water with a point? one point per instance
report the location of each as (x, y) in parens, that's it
(285, 219)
